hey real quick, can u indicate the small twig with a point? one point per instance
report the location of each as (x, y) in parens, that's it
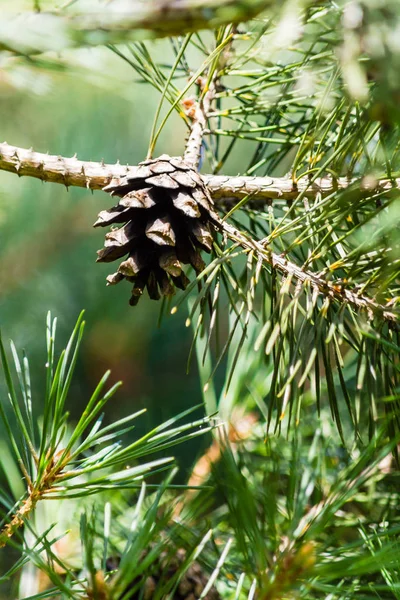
(326, 288)
(198, 110)
(18, 519)
(35, 493)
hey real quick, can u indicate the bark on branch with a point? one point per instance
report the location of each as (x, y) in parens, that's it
(325, 288)
(96, 175)
(115, 22)
(198, 113)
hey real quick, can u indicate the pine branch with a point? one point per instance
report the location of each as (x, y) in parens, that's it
(279, 262)
(35, 493)
(115, 22)
(96, 175)
(73, 172)
(326, 288)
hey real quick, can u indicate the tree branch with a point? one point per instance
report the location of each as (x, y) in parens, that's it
(114, 22)
(96, 175)
(326, 288)
(279, 262)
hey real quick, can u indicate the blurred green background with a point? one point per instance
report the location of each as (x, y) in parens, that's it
(48, 246)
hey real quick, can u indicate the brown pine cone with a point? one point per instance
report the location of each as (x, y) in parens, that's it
(167, 213)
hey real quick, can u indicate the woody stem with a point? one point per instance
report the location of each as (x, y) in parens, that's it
(72, 172)
(193, 145)
(96, 175)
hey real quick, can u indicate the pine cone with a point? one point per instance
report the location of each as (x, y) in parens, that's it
(190, 586)
(167, 212)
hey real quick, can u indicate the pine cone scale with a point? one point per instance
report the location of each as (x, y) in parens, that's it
(161, 167)
(186, 204)
(184, 179)
(160, 231)
(163, 181)
(131, 266)
(169, 262)
(138, 199)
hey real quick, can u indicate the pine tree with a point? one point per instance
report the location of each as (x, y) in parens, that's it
(287, 273)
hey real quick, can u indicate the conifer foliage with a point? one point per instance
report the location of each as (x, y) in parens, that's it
(275, 232)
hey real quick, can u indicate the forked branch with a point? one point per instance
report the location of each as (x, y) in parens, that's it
(94, 175)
